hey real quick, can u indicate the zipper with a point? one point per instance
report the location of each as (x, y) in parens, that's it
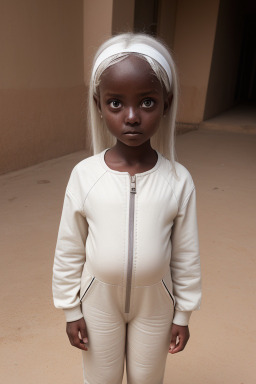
(130, 243)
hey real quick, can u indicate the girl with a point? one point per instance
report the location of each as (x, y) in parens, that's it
(126, 269)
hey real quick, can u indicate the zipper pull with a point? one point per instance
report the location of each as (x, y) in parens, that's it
(133, 184)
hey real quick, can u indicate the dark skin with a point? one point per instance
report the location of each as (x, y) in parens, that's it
(77, 334)
(132, 103)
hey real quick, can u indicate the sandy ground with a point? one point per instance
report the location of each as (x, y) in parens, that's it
(34, 347)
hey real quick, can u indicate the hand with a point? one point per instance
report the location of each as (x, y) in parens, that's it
(179, 338)
(77, 334)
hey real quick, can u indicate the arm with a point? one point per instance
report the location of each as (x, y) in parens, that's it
(67, 270)
(69, 259)
(185, 271)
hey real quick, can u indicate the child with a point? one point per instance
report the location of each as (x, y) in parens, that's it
(126, 269)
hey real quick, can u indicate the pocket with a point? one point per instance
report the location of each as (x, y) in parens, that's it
(86, 289)
(168, 292)
(86, 283)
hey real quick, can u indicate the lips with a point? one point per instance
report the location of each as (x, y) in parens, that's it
(132, 133)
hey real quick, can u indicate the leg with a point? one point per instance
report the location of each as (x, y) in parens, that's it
(148, 337)
(104, 360)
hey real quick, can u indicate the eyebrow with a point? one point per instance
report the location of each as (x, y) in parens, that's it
(110, 94)
(143, 94)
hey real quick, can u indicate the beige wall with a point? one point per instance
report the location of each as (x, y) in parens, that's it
(123, 16)
(97, 28)
(41, 81)
(115, 16)
(193, 45)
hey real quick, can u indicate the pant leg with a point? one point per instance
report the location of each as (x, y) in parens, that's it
(103, 363)
(148, 335)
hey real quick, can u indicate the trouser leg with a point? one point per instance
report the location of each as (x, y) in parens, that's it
(148, 336)
(104, 361)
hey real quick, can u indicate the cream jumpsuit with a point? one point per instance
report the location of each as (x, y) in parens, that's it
(141, 271)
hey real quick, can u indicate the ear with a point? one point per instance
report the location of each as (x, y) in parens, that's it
(97, 102)
(167, 103)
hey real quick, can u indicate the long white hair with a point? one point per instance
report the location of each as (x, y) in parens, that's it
(163, 139)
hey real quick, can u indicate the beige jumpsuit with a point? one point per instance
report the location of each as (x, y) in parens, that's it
(141, 271)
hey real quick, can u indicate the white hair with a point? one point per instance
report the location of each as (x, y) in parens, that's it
(163, 139)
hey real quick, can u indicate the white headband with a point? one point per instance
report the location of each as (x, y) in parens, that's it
(134, 48)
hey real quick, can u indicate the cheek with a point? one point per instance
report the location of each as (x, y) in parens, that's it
(153, 121)
(112, 122)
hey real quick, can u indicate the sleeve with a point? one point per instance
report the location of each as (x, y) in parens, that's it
(185, 261)
(69, 258)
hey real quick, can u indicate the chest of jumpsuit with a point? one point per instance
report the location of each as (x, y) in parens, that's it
(128, 246)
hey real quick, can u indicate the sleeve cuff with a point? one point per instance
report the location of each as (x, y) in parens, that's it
(73, 314)
(181, 317)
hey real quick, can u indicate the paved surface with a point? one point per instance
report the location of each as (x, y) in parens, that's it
(34, 347)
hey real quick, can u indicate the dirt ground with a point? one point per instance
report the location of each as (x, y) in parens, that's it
(34, 347)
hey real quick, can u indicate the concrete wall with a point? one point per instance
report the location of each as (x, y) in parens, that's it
(41, 81)
(225, 61)
(97, 28)
(123, 16)
(167, 21)
(115, 16)
(193, 45)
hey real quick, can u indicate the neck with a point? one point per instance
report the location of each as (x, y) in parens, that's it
(134, 155)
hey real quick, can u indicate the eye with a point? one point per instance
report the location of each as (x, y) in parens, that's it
(148, 103)
(115, 104)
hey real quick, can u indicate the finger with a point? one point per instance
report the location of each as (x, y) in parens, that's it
(83, 339)
(73, 335)
(77, 342)
(181, 343)
(83, 333)
(80, 345)
(173, 346)
(174, 341)
(177, 348)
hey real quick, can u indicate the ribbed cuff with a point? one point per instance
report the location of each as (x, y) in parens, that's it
(73, 314)
(181, 317)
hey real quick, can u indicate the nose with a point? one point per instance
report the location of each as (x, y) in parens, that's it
(132, 116)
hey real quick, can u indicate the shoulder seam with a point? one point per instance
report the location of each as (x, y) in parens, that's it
(187, 198)
(71, 195)
(170, 186)
(93, 187)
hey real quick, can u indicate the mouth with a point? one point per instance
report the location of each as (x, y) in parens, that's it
(131, 133)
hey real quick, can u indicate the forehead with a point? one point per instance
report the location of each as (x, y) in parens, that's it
(132, 71)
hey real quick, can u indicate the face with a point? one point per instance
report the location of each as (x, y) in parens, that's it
(131, 101)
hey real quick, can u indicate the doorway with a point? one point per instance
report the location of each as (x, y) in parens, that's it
(232, 80)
